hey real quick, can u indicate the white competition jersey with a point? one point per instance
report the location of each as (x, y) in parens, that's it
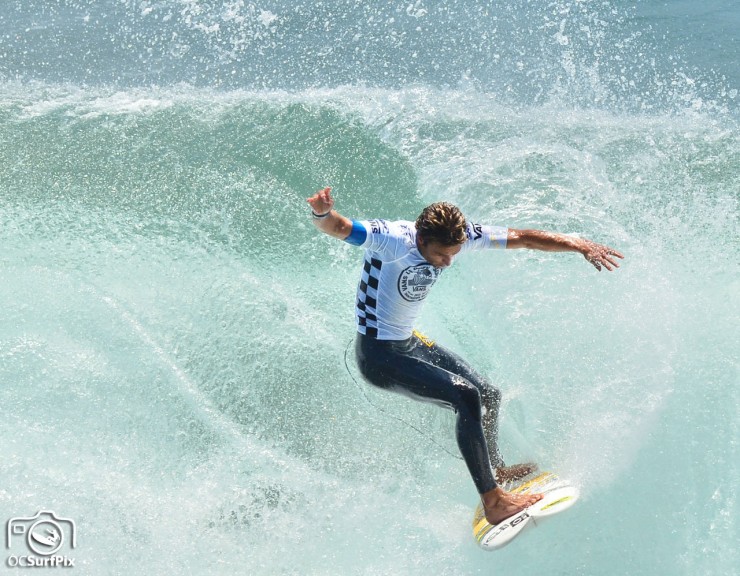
(396, 278)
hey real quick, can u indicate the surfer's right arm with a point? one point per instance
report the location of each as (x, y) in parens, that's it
(325, 218)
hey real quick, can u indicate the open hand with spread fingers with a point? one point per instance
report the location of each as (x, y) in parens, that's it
(600, 255)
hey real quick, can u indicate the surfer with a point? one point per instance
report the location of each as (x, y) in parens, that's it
(403, 260)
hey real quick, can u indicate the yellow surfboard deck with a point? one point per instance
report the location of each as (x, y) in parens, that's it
(559, 495)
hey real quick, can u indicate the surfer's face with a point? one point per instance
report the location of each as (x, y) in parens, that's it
(437, 254)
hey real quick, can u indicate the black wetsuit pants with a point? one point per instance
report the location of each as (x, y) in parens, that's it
(425, 371)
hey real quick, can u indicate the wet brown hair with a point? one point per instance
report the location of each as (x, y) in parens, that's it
(442, 222)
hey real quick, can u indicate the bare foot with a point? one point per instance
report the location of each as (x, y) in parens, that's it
(500, 505)
(515, 472)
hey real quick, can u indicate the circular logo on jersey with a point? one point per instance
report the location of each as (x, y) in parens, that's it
(415, 281)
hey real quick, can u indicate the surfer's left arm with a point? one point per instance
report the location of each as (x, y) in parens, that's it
(597, 254)
(325, 218)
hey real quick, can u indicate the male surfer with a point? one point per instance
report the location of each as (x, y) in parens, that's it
(403, 260)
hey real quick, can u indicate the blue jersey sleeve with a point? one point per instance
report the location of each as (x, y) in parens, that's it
(358, 235)
(391, 239)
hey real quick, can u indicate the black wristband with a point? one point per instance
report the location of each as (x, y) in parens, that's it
(319, 216)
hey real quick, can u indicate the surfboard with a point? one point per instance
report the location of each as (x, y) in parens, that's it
(559, 495)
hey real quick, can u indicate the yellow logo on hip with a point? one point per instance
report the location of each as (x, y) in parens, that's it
(424, 339)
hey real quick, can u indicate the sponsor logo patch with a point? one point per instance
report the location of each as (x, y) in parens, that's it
(415, 281)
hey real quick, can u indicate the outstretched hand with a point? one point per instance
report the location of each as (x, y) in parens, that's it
(321, 202)
(600, 255)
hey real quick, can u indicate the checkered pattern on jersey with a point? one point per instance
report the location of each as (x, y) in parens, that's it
(367, 298)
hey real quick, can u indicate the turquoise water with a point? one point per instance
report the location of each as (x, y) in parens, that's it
(172, 348)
